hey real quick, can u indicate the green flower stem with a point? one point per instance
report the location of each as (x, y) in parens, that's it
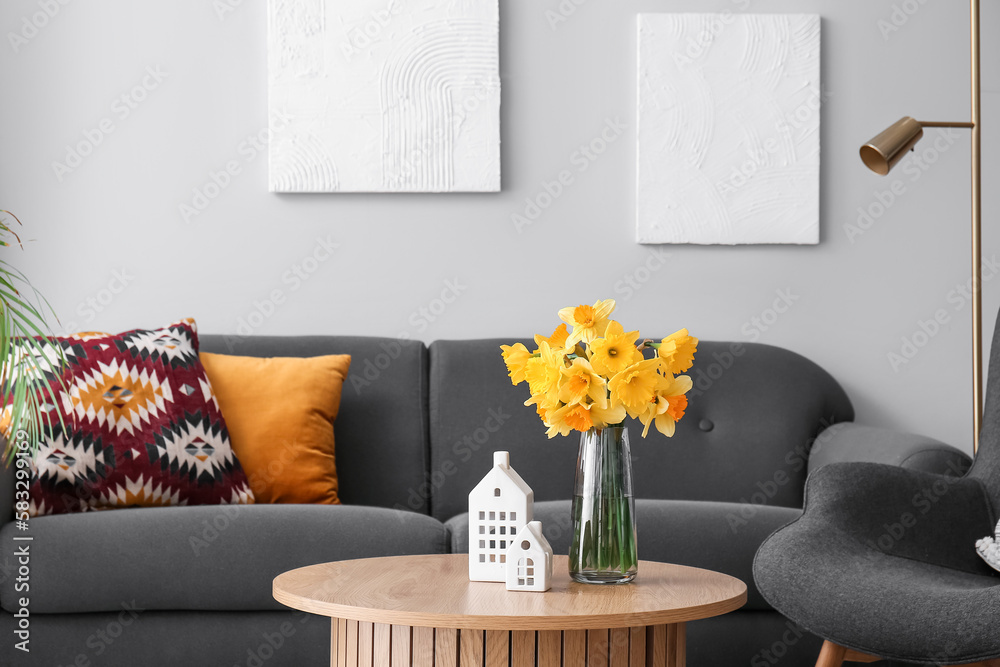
(571, 355)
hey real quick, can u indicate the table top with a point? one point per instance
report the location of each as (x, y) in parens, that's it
(435, 591)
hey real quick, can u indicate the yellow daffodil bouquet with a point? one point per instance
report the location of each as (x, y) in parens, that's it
(596, 374)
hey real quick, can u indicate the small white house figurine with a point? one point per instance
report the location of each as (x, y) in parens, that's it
(499, 507)
(529, 560)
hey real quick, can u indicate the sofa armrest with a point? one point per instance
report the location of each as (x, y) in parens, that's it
(849, 442)
(905, 513)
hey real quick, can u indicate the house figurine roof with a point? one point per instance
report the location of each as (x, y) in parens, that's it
(501, 469)
(533, 533)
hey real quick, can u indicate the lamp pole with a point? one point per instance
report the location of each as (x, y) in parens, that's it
(883, 152)
(977, 230)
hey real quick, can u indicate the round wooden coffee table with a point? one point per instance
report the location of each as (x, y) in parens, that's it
(422, 611)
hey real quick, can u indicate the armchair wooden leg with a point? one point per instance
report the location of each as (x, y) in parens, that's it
(834, 655)
(831, 655)
(855, 656)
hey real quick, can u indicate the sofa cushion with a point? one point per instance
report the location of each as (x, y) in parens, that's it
(138, 425)
(381, 461)
(200, 558)
(134, 637)
(752, 415)
(281, 413)
(723, 537)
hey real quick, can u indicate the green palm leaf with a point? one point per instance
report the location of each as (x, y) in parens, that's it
(25, 352)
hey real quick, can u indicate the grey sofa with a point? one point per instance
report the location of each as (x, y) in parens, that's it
(417, 425)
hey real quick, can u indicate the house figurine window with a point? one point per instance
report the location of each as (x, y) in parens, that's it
(525, 572)
(499, 507)
(529, 560)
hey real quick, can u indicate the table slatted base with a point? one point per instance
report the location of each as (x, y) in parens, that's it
(360, 644)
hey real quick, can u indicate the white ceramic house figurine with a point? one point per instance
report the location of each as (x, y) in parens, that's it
(529, 560)
(499, 507)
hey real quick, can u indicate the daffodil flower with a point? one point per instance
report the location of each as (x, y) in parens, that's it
(595, 375)
(580, 384)
(516, 357)
(677, 351)
(569, 418)
(588, 322)
(557, 340)
(667, 406)
(636, 386)
(616, 351)
(543, 371)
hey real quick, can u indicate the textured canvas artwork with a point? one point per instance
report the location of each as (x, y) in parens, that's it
(728, 128)
(384, 95)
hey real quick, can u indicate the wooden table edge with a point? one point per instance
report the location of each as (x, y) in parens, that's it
(507, 622)
(535, 623)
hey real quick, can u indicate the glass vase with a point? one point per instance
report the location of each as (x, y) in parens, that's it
(604, 535)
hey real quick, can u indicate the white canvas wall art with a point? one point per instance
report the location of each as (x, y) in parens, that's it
(728, 143)
(384, 95)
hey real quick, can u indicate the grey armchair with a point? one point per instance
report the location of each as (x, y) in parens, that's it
(882, 561)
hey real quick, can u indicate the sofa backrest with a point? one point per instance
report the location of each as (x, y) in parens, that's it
(417, 430)
(381, 431)
(752, 417)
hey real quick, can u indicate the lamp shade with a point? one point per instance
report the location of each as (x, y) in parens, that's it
(883, 152)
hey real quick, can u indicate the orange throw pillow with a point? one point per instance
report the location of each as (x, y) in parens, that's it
(280, 413)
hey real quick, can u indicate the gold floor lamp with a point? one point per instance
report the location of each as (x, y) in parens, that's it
(883, 152)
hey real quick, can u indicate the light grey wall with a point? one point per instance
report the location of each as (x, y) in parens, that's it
(854, 299)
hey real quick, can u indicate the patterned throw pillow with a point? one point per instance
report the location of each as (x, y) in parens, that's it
(142, 427)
